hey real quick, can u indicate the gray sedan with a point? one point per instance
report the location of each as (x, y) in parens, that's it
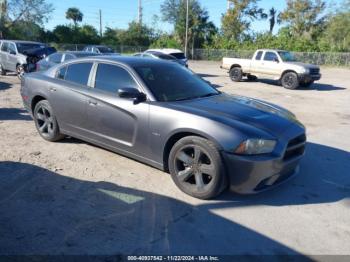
(60, 57)
(164, 115)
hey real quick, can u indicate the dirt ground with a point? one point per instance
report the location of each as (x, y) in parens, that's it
(74, 198)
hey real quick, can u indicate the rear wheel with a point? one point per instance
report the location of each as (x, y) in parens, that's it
(290, 80)
(46, 123)
(196, 167)
(2, 70)
(236, 74)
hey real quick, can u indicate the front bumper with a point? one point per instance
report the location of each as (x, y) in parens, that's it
(254, 174)
(309, 78)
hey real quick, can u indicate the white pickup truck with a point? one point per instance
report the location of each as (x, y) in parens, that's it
(273, 64)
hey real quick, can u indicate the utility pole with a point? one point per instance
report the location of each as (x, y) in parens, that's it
(140, 12)
(100, 12)
(186, 37)
(228, 5)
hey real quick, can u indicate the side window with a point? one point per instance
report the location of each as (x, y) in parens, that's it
(270, 56)
(78, 73)
(110, 78)
(55, 58)
(258, 55)
(61, 73)
(12, 48)
(68, 57)
(4, 47)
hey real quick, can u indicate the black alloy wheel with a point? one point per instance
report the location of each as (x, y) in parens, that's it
(196, 167)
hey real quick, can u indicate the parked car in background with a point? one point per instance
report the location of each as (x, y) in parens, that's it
(60, 57)
(100, 49)
(164, 115)
(159, 55)
(178, 54)
(12, 55)
(273, 64)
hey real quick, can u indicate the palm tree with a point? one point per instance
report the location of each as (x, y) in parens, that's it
(75, 15)
(273, 18)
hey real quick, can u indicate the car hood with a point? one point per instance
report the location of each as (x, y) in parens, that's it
(228, 109)
(304, 65)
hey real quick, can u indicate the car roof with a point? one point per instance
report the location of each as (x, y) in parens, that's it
(130, 61)
(272, 50)
(21, 41)
(75, 52)
(165, 50)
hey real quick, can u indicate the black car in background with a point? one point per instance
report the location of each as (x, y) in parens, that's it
(100, 49)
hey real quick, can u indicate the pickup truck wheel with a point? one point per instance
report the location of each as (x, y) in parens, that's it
(252, 78)
(2, 71)
(236, 74)
(290, 80)
(306, 84)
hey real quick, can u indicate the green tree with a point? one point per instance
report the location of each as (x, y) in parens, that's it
(200, 29)
(304, 17)
(136, 35)
(23, 12)
(75, 15)
(237, 20)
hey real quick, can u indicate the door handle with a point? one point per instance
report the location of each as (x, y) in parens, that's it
(92, 103)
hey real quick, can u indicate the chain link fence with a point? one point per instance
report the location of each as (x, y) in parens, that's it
(318, 58)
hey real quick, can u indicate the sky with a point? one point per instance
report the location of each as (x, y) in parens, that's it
(118, 13)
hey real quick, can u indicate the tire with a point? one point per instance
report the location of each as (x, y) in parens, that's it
(20, 71)
(252, 78)
(306, 84)
(186, 165)
(46, 122)
(290, 80)
(2, 71)
(236, 74)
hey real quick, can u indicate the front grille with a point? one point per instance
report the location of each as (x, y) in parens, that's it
(314, 71)
(295, 147)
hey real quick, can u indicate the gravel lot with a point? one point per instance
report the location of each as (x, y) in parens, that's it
(74, 198)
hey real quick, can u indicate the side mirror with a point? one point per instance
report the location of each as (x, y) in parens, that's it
(132, 93)
(276, 60)
(12, 52)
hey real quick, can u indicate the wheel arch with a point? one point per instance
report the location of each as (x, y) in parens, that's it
(235, 65)
(176, 136)
(288, 71)
(36, 99)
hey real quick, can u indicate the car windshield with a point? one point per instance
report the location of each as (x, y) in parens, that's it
(22, 47)
(104, 49)
(287, 56)
(178, 55)
(172, 82)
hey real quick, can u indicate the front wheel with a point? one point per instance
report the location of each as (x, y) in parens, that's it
(290, 80)
(45, 122)
(196, 167)
(236, 74)
(20, 71)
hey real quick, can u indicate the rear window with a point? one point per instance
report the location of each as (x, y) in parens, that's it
(179, 55)
(258, 55)
(21, 47)
(55, 58)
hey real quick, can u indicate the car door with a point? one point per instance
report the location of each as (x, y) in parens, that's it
(114, 121)
(270, 64)
(69, 93)
(256, 63)
(3, 55)
(12, 57)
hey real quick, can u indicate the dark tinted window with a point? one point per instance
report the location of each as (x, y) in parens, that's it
(110, 78)
(104, 49)
(78, 73)
(172, 82)
(4, 47)
(55, 58)
(270, 56)
(61, 73)
(258, 55)
(178, 55)
(21, 47)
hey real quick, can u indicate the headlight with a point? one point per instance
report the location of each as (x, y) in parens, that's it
(256, 147)
(305, 70)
